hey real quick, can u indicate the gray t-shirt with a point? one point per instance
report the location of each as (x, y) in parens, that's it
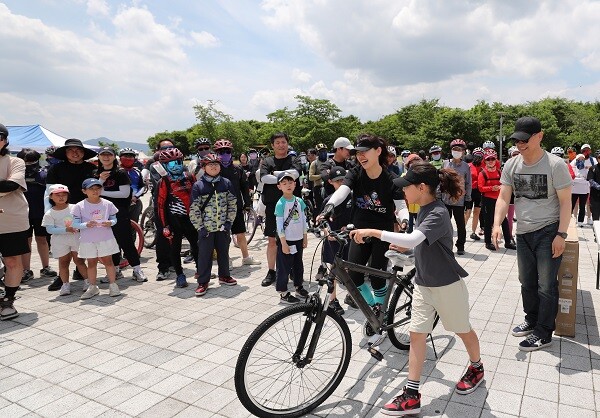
(535, 186)
(463, 170)
(434, 259)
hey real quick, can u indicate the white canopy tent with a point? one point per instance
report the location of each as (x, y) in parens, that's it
(33, 136)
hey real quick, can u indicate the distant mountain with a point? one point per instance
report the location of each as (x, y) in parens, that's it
(138, 146)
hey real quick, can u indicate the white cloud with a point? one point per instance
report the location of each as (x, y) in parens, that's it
(98, 8)
(301, 76)
(205, 39)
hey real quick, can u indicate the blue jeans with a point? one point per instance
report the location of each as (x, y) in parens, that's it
(538, 276)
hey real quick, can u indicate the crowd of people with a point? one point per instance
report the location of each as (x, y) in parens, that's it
(403, 203)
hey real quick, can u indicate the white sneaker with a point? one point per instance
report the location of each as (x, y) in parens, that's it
(250, 261)
(113, 290)
(90, 292)
(139, 276)
(86, 284)
(580, 224)
(65, 289)
(590, 221)
(118, 276)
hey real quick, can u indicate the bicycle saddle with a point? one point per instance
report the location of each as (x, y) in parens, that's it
(400, 259)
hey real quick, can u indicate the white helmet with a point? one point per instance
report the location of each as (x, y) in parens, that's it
(512, 150)
(488, 144)
(558, 151)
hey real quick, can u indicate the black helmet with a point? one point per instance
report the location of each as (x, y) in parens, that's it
(201, 141)
(3, 131)
(50, 150)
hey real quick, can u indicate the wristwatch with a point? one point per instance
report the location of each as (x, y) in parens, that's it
(561, 234)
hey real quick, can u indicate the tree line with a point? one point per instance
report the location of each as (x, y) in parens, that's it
(414, 127)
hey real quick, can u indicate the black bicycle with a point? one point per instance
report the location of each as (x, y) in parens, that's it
(148, 226)
(294, 360)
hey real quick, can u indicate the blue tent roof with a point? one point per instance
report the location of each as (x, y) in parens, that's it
(33, 136)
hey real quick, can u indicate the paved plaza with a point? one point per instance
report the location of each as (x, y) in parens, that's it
(157, 351)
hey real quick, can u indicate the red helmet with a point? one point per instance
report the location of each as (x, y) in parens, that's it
(222, 143)
(458, 143)
(170, 154)
(489, 152)
(210, 158)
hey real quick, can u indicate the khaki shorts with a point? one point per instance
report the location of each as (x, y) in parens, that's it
(98, 249)
(451, 303)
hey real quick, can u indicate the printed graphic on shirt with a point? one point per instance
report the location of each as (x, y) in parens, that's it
(371, 202)
(531, 186)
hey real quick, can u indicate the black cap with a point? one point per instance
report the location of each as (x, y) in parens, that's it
(3, 130)
(337, 173)
(525, 127)
(106, 149)
(430, 177)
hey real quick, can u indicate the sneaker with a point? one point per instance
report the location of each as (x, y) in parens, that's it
(288, 299)
(250, 261)
(350, 302)
(321, 271)
(162, 275)
(302, 292)
(580, 224)
(590, 221)
(91, 291)
(27, 276)
(113, 290)
(335, 306)
(65, 289)
(189, 259)
(47, 272)
(55, 285)
(510, 246)
(181, 281)
(139, 276)
(172, 272)
(269, 279)
(460, 251)
(201, 289)
(490, 247)
(480, 233)
(469, 382)
(523, 329)
(76, 275)
(474, 237)
(86, 284)
(118, 276)
(227, 281)
(533, 342)
(7, 309)
(404, 404)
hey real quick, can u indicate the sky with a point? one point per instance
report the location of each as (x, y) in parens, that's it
(126, 70)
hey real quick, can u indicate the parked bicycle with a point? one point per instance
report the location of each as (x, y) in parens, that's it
(294, 360)
(148, 227)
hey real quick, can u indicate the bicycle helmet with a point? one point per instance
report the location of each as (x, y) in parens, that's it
(127, 151)
(558, 151)
(292, 153)
(512, 150)
(405, 153)
(435, 148)
(488, 144)
(489, 153)
(50, 150)
(222, 143)
(478, 151)
(320, 146)
(458, 143)
(3, 131)
(201, 142)
(209, 158)
(170, 154)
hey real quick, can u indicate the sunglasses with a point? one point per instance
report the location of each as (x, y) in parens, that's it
(224, 151)
(164, 147)
(490, 159)
(203, 148)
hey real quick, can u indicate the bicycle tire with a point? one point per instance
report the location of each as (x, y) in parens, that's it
(148, 227)
(139, 234)
(261, 387)
(399, 335)
(258, 221)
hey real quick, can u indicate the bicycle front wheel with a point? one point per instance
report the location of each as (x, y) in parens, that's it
(148, 227)
(268, 381)
(138, 236)
(398, 317)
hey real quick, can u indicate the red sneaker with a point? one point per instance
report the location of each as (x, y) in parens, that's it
(201, 289)
(403, 404)
(227, 281)
(469, 382)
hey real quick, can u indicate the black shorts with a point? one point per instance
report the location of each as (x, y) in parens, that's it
(36, 226)
(14, 243)
(270, 222)
(475, 200)
(239, 225)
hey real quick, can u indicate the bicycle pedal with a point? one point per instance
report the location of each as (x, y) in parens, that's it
(376, 354)
(375, 340)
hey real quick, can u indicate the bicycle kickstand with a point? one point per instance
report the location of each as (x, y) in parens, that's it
(433, 346)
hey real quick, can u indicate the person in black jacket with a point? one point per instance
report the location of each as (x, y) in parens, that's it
(594, 179)
(270, 168)
(341, 158)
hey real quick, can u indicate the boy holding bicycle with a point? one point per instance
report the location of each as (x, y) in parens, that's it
(438, 281)
(290, 219)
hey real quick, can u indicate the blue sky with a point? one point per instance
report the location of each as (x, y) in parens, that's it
(128, 69)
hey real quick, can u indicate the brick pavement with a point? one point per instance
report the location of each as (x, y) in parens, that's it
(158, 351)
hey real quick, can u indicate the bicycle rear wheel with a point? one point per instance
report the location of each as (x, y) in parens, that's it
(269, 383)
(138, 236)
(398, 314)
(148, 227)
(253, 224)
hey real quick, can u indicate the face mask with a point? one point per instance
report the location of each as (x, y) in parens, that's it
(174, 168)
(252, 156)
(127, 162)
(323, 155)
(203, 153)
(580, 164)
(457, 154)
(303, 159)
(586, 153)
(436, 157)
(225, 159)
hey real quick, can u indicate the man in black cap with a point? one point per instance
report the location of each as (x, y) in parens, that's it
(71, 172)
(14, 224)
(542, 187)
